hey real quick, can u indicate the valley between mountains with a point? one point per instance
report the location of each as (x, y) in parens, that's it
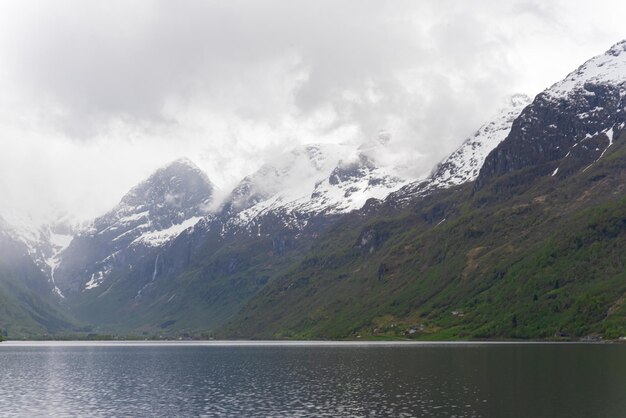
(518, 234)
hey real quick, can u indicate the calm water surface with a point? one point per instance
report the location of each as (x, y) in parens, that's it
(333, 380)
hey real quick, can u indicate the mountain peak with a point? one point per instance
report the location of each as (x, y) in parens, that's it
(569, 126)
(606, 68)
(182, 162)
(174, 198)
(181, 166)
(288, 176)
(465, 163)
(174, 184)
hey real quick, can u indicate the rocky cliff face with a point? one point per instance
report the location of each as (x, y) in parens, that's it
(268, 221)
(284, 205)
(568, 126)
(157, 210)
(160, 263)
(27, 303)
(464, 164)
(538, 236)
(316, 180)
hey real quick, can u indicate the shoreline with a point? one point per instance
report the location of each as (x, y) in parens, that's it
(283, 343)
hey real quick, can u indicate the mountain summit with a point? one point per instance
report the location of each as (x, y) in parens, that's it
(171, 200)
(464, 164)
(607, 68)
(310, 181)
(519, 233)
(569, 126)
(533, 248)
(171, 194)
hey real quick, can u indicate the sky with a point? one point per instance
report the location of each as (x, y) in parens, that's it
(95, 95)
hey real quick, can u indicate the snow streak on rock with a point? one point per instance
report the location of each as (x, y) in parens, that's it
(464, 164)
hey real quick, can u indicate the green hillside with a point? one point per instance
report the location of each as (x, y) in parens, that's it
(526, 257)
(210, 290)
(27, 311)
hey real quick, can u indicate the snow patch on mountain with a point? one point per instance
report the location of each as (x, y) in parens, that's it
(160, 237)
(59, 243)
(607, 68)
(464, 164)
(150, 215)
(96, 279)
(316, 179)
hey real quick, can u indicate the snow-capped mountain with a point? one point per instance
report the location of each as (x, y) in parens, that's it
(569, 126)
(154, 212)
(607, 68)
(315, 180)
(131, 259)
(169, 201)
(464, 164)
(161, 263)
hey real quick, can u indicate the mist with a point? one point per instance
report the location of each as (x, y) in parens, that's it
(97, 95)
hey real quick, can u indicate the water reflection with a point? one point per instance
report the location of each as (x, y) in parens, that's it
(320, 380)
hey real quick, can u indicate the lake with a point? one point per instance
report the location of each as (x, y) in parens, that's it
(312, 379)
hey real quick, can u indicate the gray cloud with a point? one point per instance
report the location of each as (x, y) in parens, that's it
(100, 61)
(229, 83)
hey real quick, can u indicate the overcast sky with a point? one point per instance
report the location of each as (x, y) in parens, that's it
(95, 95)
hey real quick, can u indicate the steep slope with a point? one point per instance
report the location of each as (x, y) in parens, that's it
(573, 122)
(544, 263)
(157, 210)
(45, 240)
(315, 180)
(27, 304)
(204, 276)
(529, 246)
(267, 225)
(464, 164)
(532, 249)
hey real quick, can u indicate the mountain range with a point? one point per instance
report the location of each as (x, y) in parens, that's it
(519, 233)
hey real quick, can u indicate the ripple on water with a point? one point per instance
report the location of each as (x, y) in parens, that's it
(295, 381)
